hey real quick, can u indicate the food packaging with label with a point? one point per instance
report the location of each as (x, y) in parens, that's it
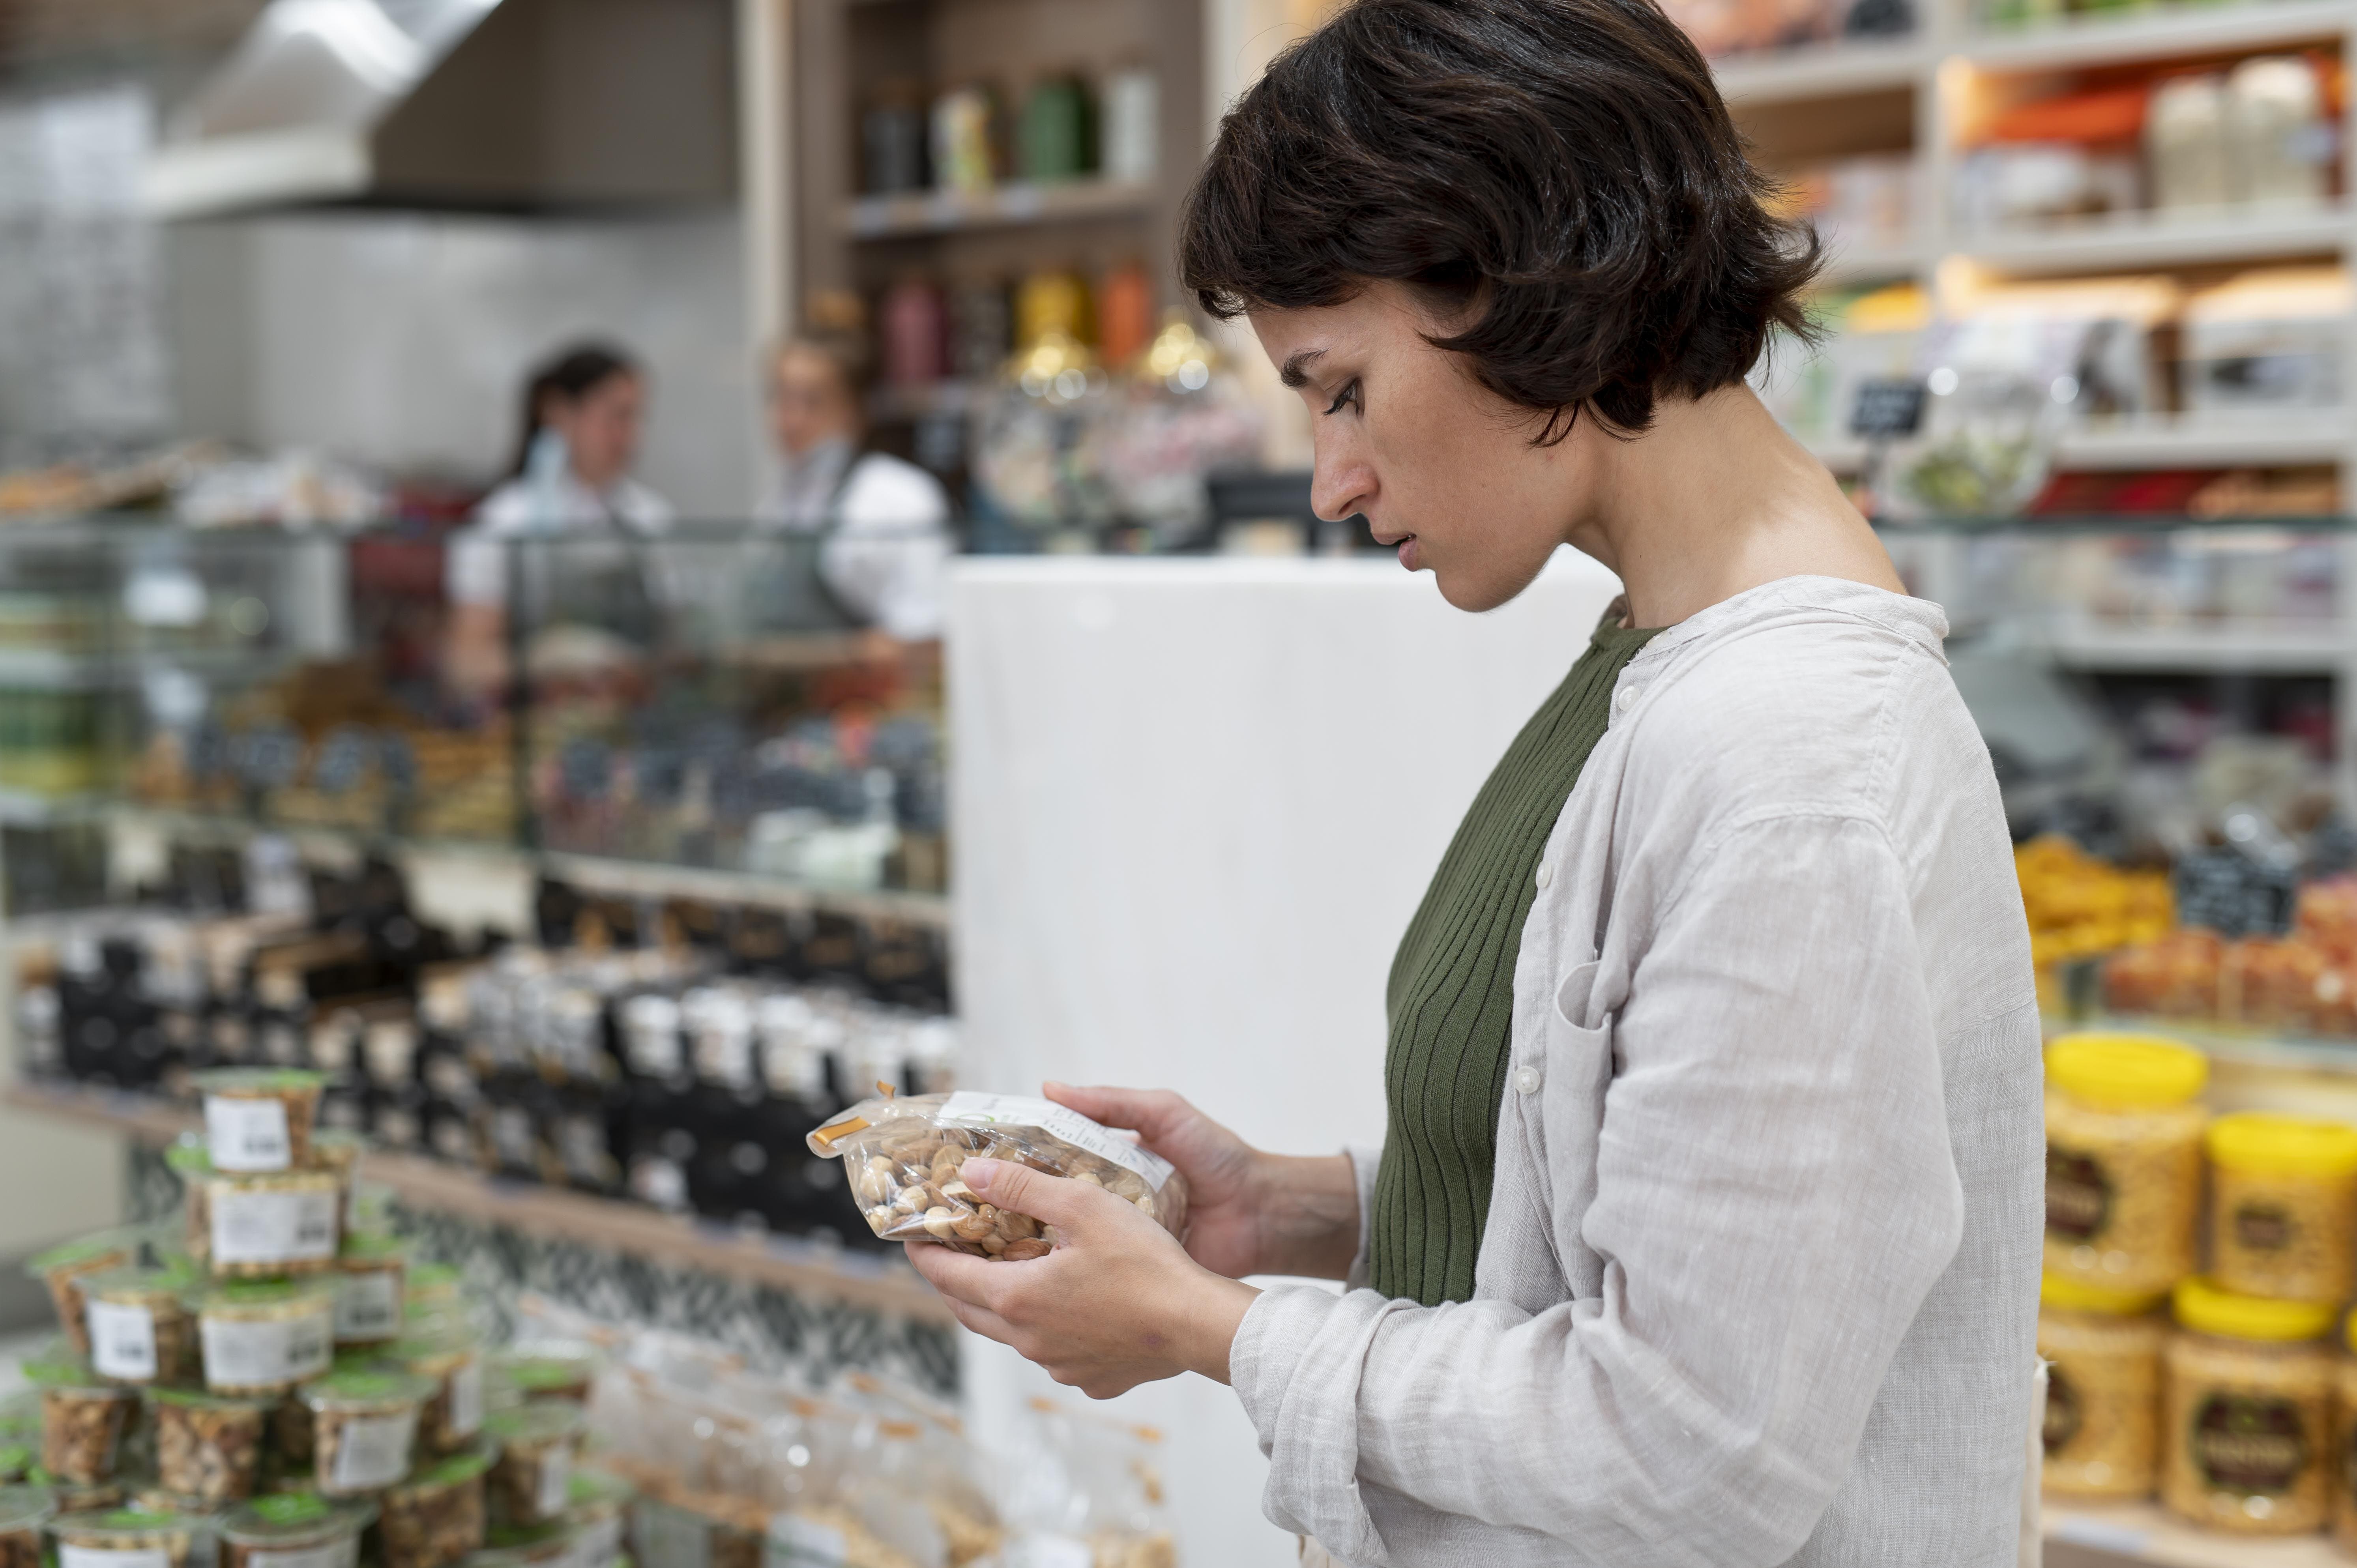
(370, 1301)
(2123, 1127)
(2247, 1442)
(294, 1529)
(365, 1429)
(282, 1222)
(2345, 1479)
(432, 1287)
(903, 1156)
(260, 1119)
(64, 1268)
(2282, 1206)
(24, 1510)
(140, 1327)
(598, 1512)
(131, 1538)
(531, 1484)
(545, 1371)
(452, 1363)
(2103, 1392)
(15, 1459)
(83, 1418)
(207, 1447)
(436, 1517)
(264, 1336)
(526, 1547)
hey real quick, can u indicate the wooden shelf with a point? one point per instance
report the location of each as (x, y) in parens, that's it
(884, 1283)
(2191, 29)
(2083, 1536)
(1822, 71)
(2163, 239)
(942, 211)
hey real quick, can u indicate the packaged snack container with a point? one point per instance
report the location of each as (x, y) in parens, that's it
(369, 1303)
(73, 1499)
(436, 1517)
(597, 1513)
(265, 1225)
(2247, 1446)
(565, 1372)
(62, 1269)
(207, 1447)
(2103, 1391)
(531, 1484)
(514, 1548)
(337, 1151)
(82, 1420)
(264, 1336)
(453, 1362)
(434, 1288)
(2124, 1126)
(902, 1154)
(294, 1529)
(2283, 1207)
(24, 1511)
(15, 1459)
(365, 1429)
(140, 1327)
(259, 1119)
(131, 1538)
(2344, 1480)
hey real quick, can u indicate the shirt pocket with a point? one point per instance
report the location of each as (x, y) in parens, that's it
(1563, 1082)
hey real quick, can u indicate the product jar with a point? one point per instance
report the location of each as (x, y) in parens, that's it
(83, 1418)
(2249, 1432)
(436, 1517)
(2344, 1480)
(531, 1484)
(259, 1119)
(131, 1538)
(598, 1512)
(281, 1222)
(451, 1360)
(2124, 1129)
(141, 1330)
(365, 1429)
(2102, 1389)
(207, 1447)
(369, 1303)
(24, 1511)
(62, 1269)
(294, 1529)
(264, 1336)
(547, 1371)
(434, 1288)
(2282, 1206)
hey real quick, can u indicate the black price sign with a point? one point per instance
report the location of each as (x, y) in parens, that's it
(1888, 408)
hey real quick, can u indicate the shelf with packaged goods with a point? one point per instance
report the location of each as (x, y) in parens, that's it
(884, 1283)
(1846, 263)
(2133, 1535)
(2170, 442)
(2148, 241)
(1822, 71)
(2254, 648)
(942, 211)
(2096, 39)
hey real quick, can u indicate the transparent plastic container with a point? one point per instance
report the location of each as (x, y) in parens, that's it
(524, 1548)
(260, 1119)
(208, 1448)
(436, 1515)
(131, 1538)
(371, 1303)
(2102, 1394)
(536, 1372)
(263, 1225)
(294, 1529)
(599, 1513)
(24, 1511)
(62, 1269)
(141, 1330)
(2248, 1440)
(453, 1362)
(531, 1484)
(2123, 1127)
(365, 1429)
(2283, 1207)
(83, 1418)
(264, 1337)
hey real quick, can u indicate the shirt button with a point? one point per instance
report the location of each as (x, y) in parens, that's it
(1527, 1080)
(1546, 874)
(1623, 697)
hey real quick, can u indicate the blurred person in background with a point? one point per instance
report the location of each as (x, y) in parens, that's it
(583, 411)
(885, 522)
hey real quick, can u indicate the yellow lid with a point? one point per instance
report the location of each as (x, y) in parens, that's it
(2205, 1309)
(2264, 1143)
(2125, 1070)
(2070, 1295)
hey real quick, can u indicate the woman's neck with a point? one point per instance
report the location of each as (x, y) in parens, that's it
(1715, 499)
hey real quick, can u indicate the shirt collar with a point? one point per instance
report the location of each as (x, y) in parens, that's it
(1919, 621)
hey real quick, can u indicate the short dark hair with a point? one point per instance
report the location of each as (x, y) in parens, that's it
(1561, 174)
(571, 374)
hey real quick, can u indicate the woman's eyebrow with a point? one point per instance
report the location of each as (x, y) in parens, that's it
(1295, 372)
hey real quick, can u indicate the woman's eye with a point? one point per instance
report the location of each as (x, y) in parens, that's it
(1347, 398)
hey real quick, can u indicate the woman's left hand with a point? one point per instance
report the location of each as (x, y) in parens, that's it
(1117, 1303)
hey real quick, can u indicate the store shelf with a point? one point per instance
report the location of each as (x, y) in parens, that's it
(2096, 39)
(2161, 240)
(2282, 441)
(2143, 1533)
(1823, 71)
(884, 1283)
(1871, 264)
(2258, 649)
(941, 211)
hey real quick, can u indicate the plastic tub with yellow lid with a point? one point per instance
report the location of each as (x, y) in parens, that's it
(2282, 1208)
(2124, 1125)
(2249, 1428)
(2103, 1392)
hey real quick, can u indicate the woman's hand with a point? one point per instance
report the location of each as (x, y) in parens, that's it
(1117, 1303)
(1247, 1213)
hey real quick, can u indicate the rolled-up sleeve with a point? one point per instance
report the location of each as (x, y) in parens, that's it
(1774, 1197)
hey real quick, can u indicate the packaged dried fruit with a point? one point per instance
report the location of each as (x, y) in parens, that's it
(369, 1303)
(903, 1153)
(2247, 1443)
(365, 1429)
(259, 1119)
(2103, 1391)
(531, 1484)
(597, 1510)
(2123, 1127)
(294, 1529)
(565, 1372)
(452, 1363)
(2282, 1206)
(436, 1517)
(207, 1447)
(280, 1222)
(131, 1538)
(64, 1268)
(141, 1330)
(83, 1418)
(264, 1336)
(24, 1511)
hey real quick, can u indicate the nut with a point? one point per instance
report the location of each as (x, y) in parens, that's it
(365, 1426)
(435, 1518)
(20, 1549)
(531, 1481)
(208, 1450)
(82, 1428)
(63, 1269)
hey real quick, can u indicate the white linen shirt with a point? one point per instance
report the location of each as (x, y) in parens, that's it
(1759, 1282)
(887, 549)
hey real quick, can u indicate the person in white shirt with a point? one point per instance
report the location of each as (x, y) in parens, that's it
(582, 414)
(886, 521)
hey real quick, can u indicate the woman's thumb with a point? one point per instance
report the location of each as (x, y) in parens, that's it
(1051, 1200)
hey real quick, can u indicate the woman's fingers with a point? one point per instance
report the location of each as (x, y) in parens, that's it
(1051, 1200)
(1154, 1114)
(965, 1280)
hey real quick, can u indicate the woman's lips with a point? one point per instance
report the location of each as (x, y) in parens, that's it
(1408, 556)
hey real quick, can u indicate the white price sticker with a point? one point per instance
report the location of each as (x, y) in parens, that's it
(273, 1351)
(109, 1557)
(368, 1306)
(271, 1227)
(372, 1451)
(466, 1400)
(1022, 1111)
(555, 1480)
(341, 1553)
(247, 1134)
(798, 1542)
(121, 1339)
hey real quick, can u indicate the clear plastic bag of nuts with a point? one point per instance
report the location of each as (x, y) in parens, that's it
(903, 1156)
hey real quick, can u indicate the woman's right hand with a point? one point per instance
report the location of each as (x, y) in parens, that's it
(1248, 1212)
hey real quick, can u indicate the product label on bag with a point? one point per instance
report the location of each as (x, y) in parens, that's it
(247, 1134)
(109, 1557)
(368, 1306)
(466, 1400)
(271, 1227)
(335, 1554)
(121, 1339)
(1022, 1111)
(372, 1451)
(555, 1481)
(241, 1355)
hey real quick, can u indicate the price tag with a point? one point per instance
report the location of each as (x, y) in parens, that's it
(1022, 1111)
(373, 1450)
(271, 1227)
(247, 1134)
(121, 1339)
(107, 1557)
(555, 1481)
(1888, 408)
(241, 1355)
(466, 1400)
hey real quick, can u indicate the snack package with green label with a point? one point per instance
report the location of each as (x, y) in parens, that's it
(598, 1512)
(436, 1517)
(260, 1119)
(83, 1418)
(131, 1538)
(453, 1362)
(365, 1429)
(24, 1511)
(207, 1447)
(262, 1224)
(141, 1330)
(62, 1270)
(264, 1337)
(513, 1546)
(370, 1304)
(294, 1529)
(540, 1371)
(531, 1484)
(903, 1154)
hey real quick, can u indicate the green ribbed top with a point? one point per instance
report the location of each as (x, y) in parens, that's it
(1451, 996)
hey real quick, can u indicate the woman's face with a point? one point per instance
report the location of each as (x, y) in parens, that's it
(1443, 468)
(809, 402)
(600, 428)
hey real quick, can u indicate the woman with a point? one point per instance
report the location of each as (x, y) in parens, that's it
(571, 475)
(887, 522)
(1707, 1226)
